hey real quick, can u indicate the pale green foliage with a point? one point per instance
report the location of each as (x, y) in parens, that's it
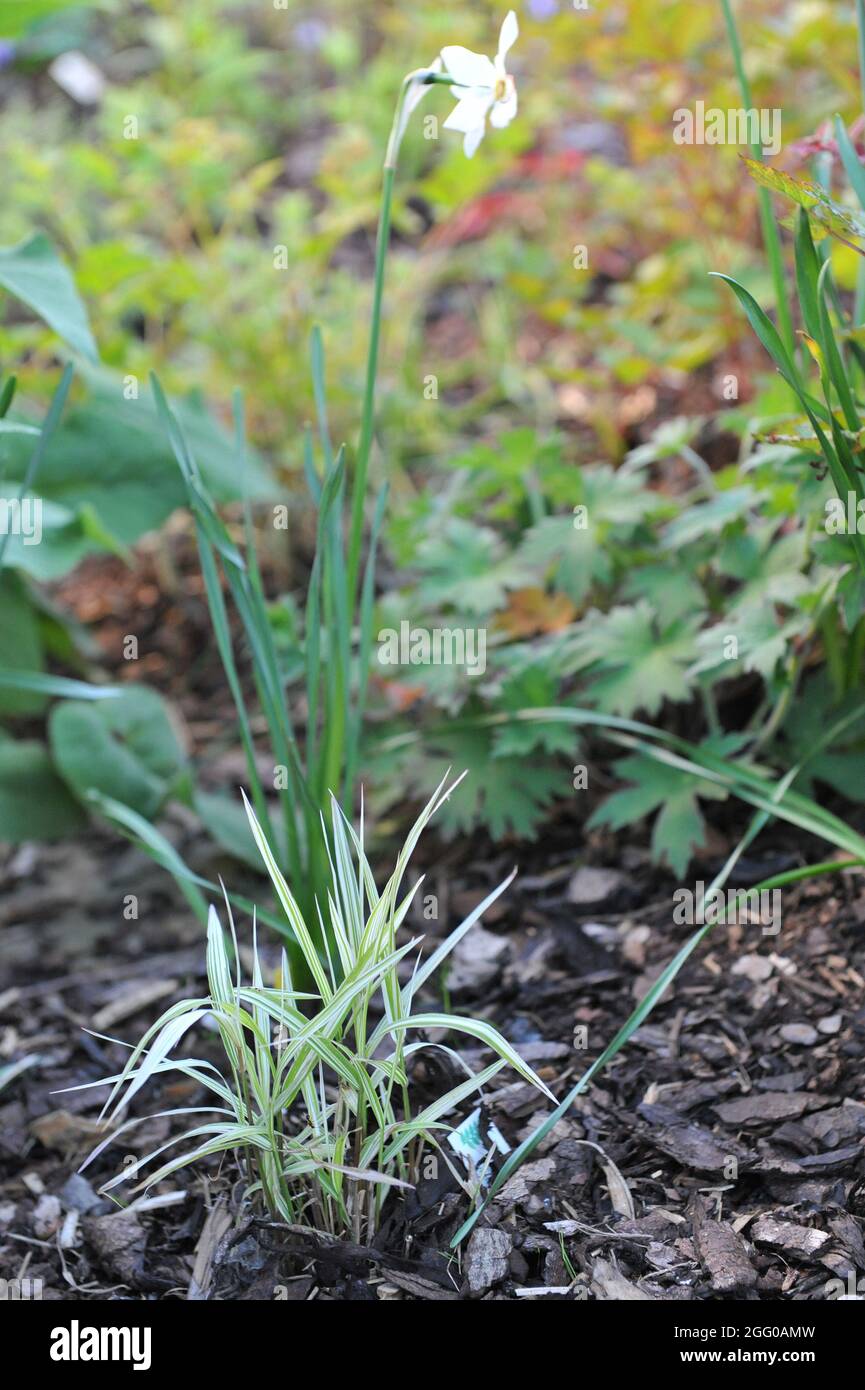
(314, 1090)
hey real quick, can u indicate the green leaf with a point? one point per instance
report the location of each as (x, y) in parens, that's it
(807, 274)
(636, 663)
(20, 644)
(34, 803)
(33, 272)
(498, 794)
(45, 684)
(227, 822)
(577, 551)
(761, 641)
(832, 217)
(765, 330)
(536, 687)
(124, 748)
(679, 829)
(109, 466)
(709, 518)
(67, 536)
(851, 161)
(841, 765)
(17, 16)
(670, 589)
(469, 568)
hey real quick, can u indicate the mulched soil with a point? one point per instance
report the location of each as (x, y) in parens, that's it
(719, 1156)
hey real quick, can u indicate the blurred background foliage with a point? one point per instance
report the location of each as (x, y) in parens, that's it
(260, 128)
(215, 195)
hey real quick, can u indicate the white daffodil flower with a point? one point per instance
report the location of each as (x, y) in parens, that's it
(483, 87)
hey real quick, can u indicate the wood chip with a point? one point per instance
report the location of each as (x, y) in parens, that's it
(722, 1252)
(800, 1034)
(420, 1288)
(592, 886)
(790, 1239)
(487, 1258)
(118, 1240)
(132, 1001)
(766, 1108)
(217, 1225)
(63, 1131)
(691, 1144)
(608, 1282)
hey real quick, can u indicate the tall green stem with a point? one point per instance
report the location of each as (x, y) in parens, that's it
(859, 304)
(404, 106)
(771, 238)
(368, 418)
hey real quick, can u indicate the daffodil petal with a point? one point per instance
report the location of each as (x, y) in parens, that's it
(503, 112)
(510, 32)
(468, 69)
(472, 139)
(469, 114)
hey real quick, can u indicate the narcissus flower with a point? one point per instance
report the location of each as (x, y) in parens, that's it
(483, 87)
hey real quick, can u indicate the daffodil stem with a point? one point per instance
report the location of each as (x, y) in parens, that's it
(361, 468)
(368, 417)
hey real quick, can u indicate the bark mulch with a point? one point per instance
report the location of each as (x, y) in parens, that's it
(720, 1156)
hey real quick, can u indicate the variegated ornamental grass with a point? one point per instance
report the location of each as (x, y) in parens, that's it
(314, 1092)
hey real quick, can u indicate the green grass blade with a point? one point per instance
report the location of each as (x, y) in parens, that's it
(52, 420)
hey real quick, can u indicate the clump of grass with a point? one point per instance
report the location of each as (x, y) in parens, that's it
(314, 1095)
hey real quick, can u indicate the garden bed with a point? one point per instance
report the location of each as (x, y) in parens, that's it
(484, 486)
(755, 1057)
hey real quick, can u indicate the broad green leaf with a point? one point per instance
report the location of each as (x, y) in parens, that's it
(576, 551)
(125, 749)
(226, 820)
(109, 464)
(534, 685)
(34, 803)
(679, 828)
(33, 272)
(467, 567)
(635, 662)
(65, 537)
(498, 794)
(709, 518)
